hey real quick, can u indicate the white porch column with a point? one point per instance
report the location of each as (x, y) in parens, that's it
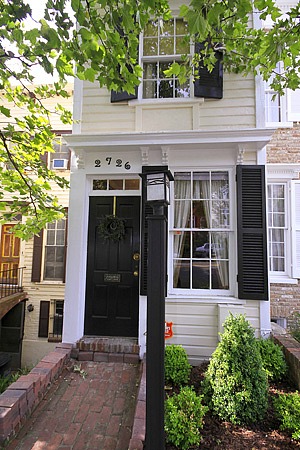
(76, 259)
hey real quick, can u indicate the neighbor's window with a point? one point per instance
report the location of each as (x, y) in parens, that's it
(54, 266)
(163, 43)
(277, 227)
(56, 320)
(201, 230)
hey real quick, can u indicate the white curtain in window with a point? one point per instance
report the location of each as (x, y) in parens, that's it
(181, 219)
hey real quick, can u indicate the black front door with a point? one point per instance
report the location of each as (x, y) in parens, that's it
(112, 292)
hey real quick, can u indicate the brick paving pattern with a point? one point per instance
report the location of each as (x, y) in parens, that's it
(92, 412)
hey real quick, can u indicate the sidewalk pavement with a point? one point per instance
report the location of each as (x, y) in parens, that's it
(90, 406)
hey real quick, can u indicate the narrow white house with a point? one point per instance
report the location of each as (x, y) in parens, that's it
(211, 135)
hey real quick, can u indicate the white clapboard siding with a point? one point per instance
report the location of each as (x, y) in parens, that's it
(235, 110)
(196, 325)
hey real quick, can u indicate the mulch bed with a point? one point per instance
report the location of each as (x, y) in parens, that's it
(220, 435)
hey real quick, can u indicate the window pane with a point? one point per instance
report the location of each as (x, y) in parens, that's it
(182, 185)
(50, 237)
(167, 28)
(150, 47)
(149, 89)
(200, 214)
(182, 46)
(182, 274)
(219, 185)
(220, 214)
(151, 28)
(165, 89)
(200, 274)
(132, 185)
(182, 90)
(115, 185)
(166, 46)
(150, 70)
(99, 185)
(181, 27)
(201, 185)
(219, 272)
(278, 220)
(50, 254)
(182, 214)
(200, 244)
(182, 245)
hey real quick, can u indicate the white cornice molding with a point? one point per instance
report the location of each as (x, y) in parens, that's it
(283, 171)
(254, 138)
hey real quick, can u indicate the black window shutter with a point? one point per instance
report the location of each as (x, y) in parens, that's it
(44, 318)
(209, 84)
(252, 233)
(37, 257)
(146, 212)
(123, 96)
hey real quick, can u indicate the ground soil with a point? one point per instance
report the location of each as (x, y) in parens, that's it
(220, 435)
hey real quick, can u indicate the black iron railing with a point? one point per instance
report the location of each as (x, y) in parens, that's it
(11, 281)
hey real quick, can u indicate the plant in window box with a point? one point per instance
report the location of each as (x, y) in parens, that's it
(112, 228)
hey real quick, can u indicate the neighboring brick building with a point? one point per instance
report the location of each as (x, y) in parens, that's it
(283, 157)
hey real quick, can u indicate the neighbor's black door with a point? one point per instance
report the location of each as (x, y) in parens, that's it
(112, 292)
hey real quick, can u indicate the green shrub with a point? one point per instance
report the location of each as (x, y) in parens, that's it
(273, 359)
(6, 380)
(235, 384)
(287, 410)
(184, 414)
(177, 367)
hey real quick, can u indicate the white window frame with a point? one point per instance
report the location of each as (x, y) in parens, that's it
(285, 112)
(288, 174)
(285, 229)
(162, 58)
(52, 280)
(205, 293)
(295, 225)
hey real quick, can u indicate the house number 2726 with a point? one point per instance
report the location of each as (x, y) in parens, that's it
(109, 162)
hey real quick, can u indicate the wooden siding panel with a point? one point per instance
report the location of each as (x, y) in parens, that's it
(235, 110)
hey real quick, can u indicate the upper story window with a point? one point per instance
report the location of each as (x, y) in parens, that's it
(55, 251)
(163, 43)
(201, 230)
(280, 109)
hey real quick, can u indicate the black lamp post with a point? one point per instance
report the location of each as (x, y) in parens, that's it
(157, 186)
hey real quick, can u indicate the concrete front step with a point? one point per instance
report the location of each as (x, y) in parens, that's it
(106, 349)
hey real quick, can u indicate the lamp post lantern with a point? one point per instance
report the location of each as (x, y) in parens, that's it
(157, 188)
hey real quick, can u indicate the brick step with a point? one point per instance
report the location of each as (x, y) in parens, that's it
(106, 349)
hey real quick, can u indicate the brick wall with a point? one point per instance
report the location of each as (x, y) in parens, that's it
(285, 300)
(285, 146)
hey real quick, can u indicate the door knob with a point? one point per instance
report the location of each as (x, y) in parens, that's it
(135, 273)
(136, 256)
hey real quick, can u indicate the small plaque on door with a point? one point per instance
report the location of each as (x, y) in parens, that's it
(112, 277)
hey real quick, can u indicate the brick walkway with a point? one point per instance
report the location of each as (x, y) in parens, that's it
(94, 412)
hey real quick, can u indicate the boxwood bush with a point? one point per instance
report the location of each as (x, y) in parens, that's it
(273, 359)
(235, 384)
(184, 414)
(287, 410)
(177, 367)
